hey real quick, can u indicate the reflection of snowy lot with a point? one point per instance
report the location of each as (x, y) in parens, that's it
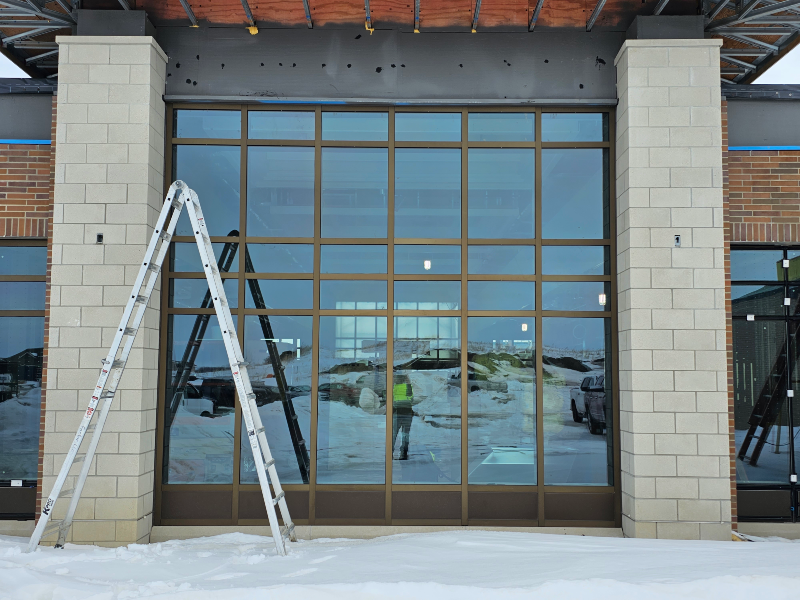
(572, 454)
(19, 442)
(772, 466)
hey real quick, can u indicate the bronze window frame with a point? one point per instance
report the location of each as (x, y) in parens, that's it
(549, 500)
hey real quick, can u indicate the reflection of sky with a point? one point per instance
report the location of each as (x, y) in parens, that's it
(756, 265)
(574, 334)
(20, 333)
(572, 207)
(573, 260)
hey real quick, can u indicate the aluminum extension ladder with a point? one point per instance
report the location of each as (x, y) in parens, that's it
(178, 196)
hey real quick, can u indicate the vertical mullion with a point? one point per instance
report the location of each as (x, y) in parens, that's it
(316, 348)
(613, 351)
(390, 322)
(237, 421)
(464, 320)
(538, 321)
(789, 401)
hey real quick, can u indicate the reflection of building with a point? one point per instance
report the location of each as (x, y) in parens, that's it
(488, 231)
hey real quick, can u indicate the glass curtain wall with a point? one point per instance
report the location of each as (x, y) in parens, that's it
(765, 291)
(23, 266)
(426, 294)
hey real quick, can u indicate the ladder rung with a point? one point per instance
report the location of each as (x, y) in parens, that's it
(287, 531)
(66, 493)
(176, 201)
(244, 363)
(165, 236)
(115, 363)
(129, 331)
(154, 267)
(54, 526)
(107, 394)
(269, 463)
(260, 430)
(141, 299)
(251, 396)
(79, 459)
(278, 498)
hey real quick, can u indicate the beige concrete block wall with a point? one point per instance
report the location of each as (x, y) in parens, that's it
(673, 384)
(109, 180)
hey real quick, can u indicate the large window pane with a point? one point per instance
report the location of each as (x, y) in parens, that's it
(351, 417)
(575, 260)
(280, 125)
(354, 126)
(280, 191)
(760, 414)
(427, 193)
(200, 396)
(427, 295)
(427, 260)
(427, 127)
(574, 127)
(502, 127)
(575, 295)
(23, 260)
(502, 185)
(194, 293)
(185, 257)
(757, 265)
(355, 185)
(353, 259)
(219, 124)
(502, 401)
(426, 400)
(794, 360)
(22, 295)
(575, 193)
(279, 293)
(502, 295)
(578, 448)
(213, 172)
(271, 343)
(764, 300)
(352, 295)
(21, 347)
(281, 258)
(501, 260)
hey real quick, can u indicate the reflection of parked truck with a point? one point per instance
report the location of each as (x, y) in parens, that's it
(589, 401)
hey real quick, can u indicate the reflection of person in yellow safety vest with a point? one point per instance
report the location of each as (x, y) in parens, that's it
(402, 412)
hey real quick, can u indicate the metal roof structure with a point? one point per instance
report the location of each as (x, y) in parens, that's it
(755, 33)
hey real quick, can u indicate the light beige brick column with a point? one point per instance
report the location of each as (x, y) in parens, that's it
(673, 399)
(109, 180)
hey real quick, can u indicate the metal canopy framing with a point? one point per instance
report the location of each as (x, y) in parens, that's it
(535, 16)
(36, 20)
(595, 14)
(755, 33)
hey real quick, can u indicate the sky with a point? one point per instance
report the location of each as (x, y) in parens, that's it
(787, 70)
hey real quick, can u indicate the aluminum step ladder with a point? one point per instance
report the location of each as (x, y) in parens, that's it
(178, 197)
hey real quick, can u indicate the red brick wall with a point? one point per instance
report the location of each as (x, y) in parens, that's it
(764, 196)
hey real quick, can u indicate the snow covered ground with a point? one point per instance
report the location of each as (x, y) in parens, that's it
(457, 565)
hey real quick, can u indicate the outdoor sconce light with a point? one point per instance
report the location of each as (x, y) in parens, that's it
(524, 327)
(602, 299)
(427, 265)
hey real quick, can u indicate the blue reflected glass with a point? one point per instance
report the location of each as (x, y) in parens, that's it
(22, 295)
(352, 295)
(280, 125)
(574, 127)
(200, 402)
(279, 293)
(578, 402)
(575, 193)
(292, 340)
(501, 260)
(23, 260)
(426, 400)
(355, 195)
(427, 295)
(214, 173)
(575, 260)
(502, 183)
(757, 265)
(427, 260)
(427, 196)
(355, 126)
(217, 124)
(502, 401)
(501, 295)
(281, 258)
(361, 258)
(427, 127)
(575, 295)
(21, 350)
(193, 293)
(502, 127)
(351, 401)
(280, 191)
(762, 300)
(185, 258)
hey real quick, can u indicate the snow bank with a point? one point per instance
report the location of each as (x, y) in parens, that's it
(460, 565)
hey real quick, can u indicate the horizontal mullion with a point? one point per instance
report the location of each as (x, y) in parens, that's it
(209, 106)
(9, 241)
(427, 241)
(192, 311)
(197, 487)
(206, 142)
(531, 145)
(331, 312)
(257, 275)
(278, 240)
(581, 242)
(576, 277)
(21, 313)
(578, 314)
(503, 277)
(215, 239)
(398, 277)
(351, 487)
(421, 487)
(201, 275)
(546, 145)
(41, 277)
(259, 142)
(578, 489)
(502, 313)
(763, 317)
(502, 242)
(499, 488)
(354, 144)
(353, 276)
(427, 313)
(291, 312)
(770, 283)
(427, 144)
